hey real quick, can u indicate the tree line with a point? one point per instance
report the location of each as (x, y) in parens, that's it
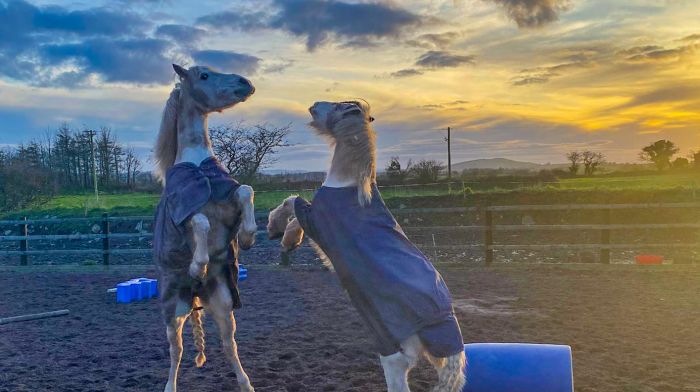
(661, 153)
(66, 160)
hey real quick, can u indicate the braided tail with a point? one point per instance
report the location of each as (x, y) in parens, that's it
(198, 332)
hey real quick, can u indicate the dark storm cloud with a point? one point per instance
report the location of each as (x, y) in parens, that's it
(139, 61)
(235, 20)
(443, 59)
(228, 61)
(319, 21)
(181, 34)
(433, 60)
(404, 73)
(21, 19)
(104, 42)
(533, 13)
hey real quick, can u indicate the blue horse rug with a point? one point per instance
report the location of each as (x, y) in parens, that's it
(188, 188)
(397, 291)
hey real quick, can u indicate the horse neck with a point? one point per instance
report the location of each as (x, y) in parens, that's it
(193, 143)
(346, 165)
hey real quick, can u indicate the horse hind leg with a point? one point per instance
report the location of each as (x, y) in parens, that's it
(219, 306)
(397, 366)
(174, 331)
(244, 197)
(200, 258)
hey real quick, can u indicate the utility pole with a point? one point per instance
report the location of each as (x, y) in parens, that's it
(92, 133)
(449, 155)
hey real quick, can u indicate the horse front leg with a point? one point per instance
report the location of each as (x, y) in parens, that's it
(174, 331)
(293, 236)
(244, 196)
(200, 258)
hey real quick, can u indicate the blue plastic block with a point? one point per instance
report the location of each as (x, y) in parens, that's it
(124, 293)
(153, 288)
(134, 290)
(518, 367)
(242, 273)
(137, 289)
(144, 289)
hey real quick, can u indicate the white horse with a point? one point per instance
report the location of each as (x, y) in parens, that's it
(353, 167)
(201, 276)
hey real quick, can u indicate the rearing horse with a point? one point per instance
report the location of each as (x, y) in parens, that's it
(202, 218)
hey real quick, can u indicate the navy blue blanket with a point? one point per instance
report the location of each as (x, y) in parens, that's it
(392, 284)
(188, 188)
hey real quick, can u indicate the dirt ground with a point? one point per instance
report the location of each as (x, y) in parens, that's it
(632, 329)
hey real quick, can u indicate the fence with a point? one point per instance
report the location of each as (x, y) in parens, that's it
(488, 230)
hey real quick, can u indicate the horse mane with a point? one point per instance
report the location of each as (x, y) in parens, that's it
(355, 155)
(165, 150)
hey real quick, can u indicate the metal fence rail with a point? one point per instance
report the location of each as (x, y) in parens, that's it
(487, 229)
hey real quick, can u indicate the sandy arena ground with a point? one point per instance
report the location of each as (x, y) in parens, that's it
(632, 329)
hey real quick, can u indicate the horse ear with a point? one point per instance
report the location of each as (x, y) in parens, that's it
(181, 72)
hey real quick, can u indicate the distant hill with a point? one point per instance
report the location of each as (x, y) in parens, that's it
(509, 164)
(503, 163)
(274, 172)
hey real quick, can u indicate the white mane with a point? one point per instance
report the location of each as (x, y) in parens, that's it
(166, 143)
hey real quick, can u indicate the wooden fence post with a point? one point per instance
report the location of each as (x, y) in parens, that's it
(605, 238)
(105, 239)
(488, 235)
(23, 244)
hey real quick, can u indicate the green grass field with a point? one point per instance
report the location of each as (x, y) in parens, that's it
(658, 181)
(144, 203)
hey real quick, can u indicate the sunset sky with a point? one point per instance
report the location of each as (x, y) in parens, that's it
(521, 79)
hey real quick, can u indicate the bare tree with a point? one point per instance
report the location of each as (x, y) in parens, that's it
(133, 167)
(575, 158)
(427, 170)
(591, 161)
(247, 150)
(395, 172)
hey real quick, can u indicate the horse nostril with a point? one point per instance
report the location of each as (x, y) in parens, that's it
(245, 82)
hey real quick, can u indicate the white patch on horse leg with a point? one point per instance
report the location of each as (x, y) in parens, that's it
(174, 331)
(200, 258)
(396, 367)
(246, 233)
(219, 306)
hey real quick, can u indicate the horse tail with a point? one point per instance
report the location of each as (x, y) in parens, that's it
(198, 332)
(450, 372)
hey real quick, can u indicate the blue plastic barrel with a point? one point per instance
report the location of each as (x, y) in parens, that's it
(144, 288)
(134, 290)
(124, 293)
(153, 288)
(518, 367)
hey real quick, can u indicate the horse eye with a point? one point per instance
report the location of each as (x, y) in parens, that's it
(204, 76)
